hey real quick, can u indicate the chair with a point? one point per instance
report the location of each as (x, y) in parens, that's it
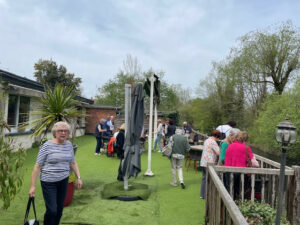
(193, 155)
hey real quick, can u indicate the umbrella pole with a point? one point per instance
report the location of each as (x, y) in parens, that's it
(149, 172)
(127, 112)
(125, 178)
(155, 122)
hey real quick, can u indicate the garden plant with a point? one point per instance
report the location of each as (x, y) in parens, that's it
(257, 213)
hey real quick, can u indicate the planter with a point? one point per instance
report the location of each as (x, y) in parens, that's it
(70, 193)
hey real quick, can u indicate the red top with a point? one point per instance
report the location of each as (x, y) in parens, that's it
(110, 147)
(236, 155)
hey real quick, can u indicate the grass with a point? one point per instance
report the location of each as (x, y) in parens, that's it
(165, 205)
(116, 189)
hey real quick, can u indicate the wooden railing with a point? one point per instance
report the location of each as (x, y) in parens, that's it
(259, 184)
(220, 208)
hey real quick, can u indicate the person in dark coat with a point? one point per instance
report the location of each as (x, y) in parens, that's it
(170, 129)
(99, 130)
(186, 128)
(120, 140)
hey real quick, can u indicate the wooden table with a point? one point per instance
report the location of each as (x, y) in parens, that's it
(195, 154)
(197, 147)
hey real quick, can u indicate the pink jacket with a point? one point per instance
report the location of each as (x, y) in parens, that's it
(236, 155)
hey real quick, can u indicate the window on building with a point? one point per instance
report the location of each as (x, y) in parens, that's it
(24, 109)
(18, 111)
(12, 110)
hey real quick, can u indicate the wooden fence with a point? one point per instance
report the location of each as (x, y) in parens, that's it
(259, 184)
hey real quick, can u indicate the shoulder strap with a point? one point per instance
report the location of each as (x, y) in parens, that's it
(30, 200)
(27, 210)
(227, 130)
(33, 206)
(247, 152)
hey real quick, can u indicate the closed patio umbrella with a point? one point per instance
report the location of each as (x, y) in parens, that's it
(131, 164)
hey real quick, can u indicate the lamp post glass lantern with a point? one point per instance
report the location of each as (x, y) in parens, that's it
(286, 135)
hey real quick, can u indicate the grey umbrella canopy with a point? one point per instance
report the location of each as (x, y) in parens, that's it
(131, 164)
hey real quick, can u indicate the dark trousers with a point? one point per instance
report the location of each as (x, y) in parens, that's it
(203, 183)
(54, 196)
(99, 144)
(236, 184)
(120, 174)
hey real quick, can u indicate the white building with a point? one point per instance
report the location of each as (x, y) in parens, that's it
(19, 98)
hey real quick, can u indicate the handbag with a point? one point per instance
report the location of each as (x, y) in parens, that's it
(33, 221)
(249, 163)
(167, 150)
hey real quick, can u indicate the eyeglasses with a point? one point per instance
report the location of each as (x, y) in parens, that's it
(63, 131)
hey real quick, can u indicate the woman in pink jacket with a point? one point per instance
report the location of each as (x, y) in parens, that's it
(236, 156)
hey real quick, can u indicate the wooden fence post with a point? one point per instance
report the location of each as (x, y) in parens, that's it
(294, 200)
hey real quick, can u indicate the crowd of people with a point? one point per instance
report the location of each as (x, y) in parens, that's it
(226, 146)
(163, 134)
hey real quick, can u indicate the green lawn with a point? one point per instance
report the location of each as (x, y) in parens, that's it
(166, 204)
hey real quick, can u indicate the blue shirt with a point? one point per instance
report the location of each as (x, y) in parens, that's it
(55, 160)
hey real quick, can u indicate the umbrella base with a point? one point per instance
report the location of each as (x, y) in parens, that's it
(116, 191)
(149, 173)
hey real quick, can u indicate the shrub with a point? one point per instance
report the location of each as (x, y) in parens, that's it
(259, 213)
(11, 163)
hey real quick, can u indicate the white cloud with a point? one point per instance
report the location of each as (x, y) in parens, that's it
(181, 38)
(3, 3)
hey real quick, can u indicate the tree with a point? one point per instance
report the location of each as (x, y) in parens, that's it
(274, 110)
(112, 92)
(236, 88)
(49, 74)
(131, 66)
(221, 99)
(270, 56)
(57, 105)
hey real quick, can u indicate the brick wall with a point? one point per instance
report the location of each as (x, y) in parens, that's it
(93, 117)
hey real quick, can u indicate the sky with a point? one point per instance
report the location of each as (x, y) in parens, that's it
(93, 38)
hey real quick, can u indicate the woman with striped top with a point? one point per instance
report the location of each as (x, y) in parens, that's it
(54, 161)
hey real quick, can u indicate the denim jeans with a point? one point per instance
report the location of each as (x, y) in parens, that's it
(99, 144)
(158, 140)
(54, 196)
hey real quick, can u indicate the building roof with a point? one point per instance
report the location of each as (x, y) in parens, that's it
(27, 83)
(98, 106)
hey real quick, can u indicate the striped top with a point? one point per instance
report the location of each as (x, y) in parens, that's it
(55, 160)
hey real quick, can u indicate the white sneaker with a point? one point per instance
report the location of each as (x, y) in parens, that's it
(96, 153)
(173, 184)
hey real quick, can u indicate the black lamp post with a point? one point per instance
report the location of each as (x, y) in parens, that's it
(286, 135)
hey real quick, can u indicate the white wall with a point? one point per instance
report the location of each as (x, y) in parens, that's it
(26, 141)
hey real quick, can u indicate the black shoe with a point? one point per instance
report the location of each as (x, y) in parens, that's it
(182, 185)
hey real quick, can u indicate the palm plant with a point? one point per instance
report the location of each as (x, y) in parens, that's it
(58, 104)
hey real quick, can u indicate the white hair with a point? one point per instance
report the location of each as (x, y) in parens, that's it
(179, 131)
(59, 124)
(234, 131)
